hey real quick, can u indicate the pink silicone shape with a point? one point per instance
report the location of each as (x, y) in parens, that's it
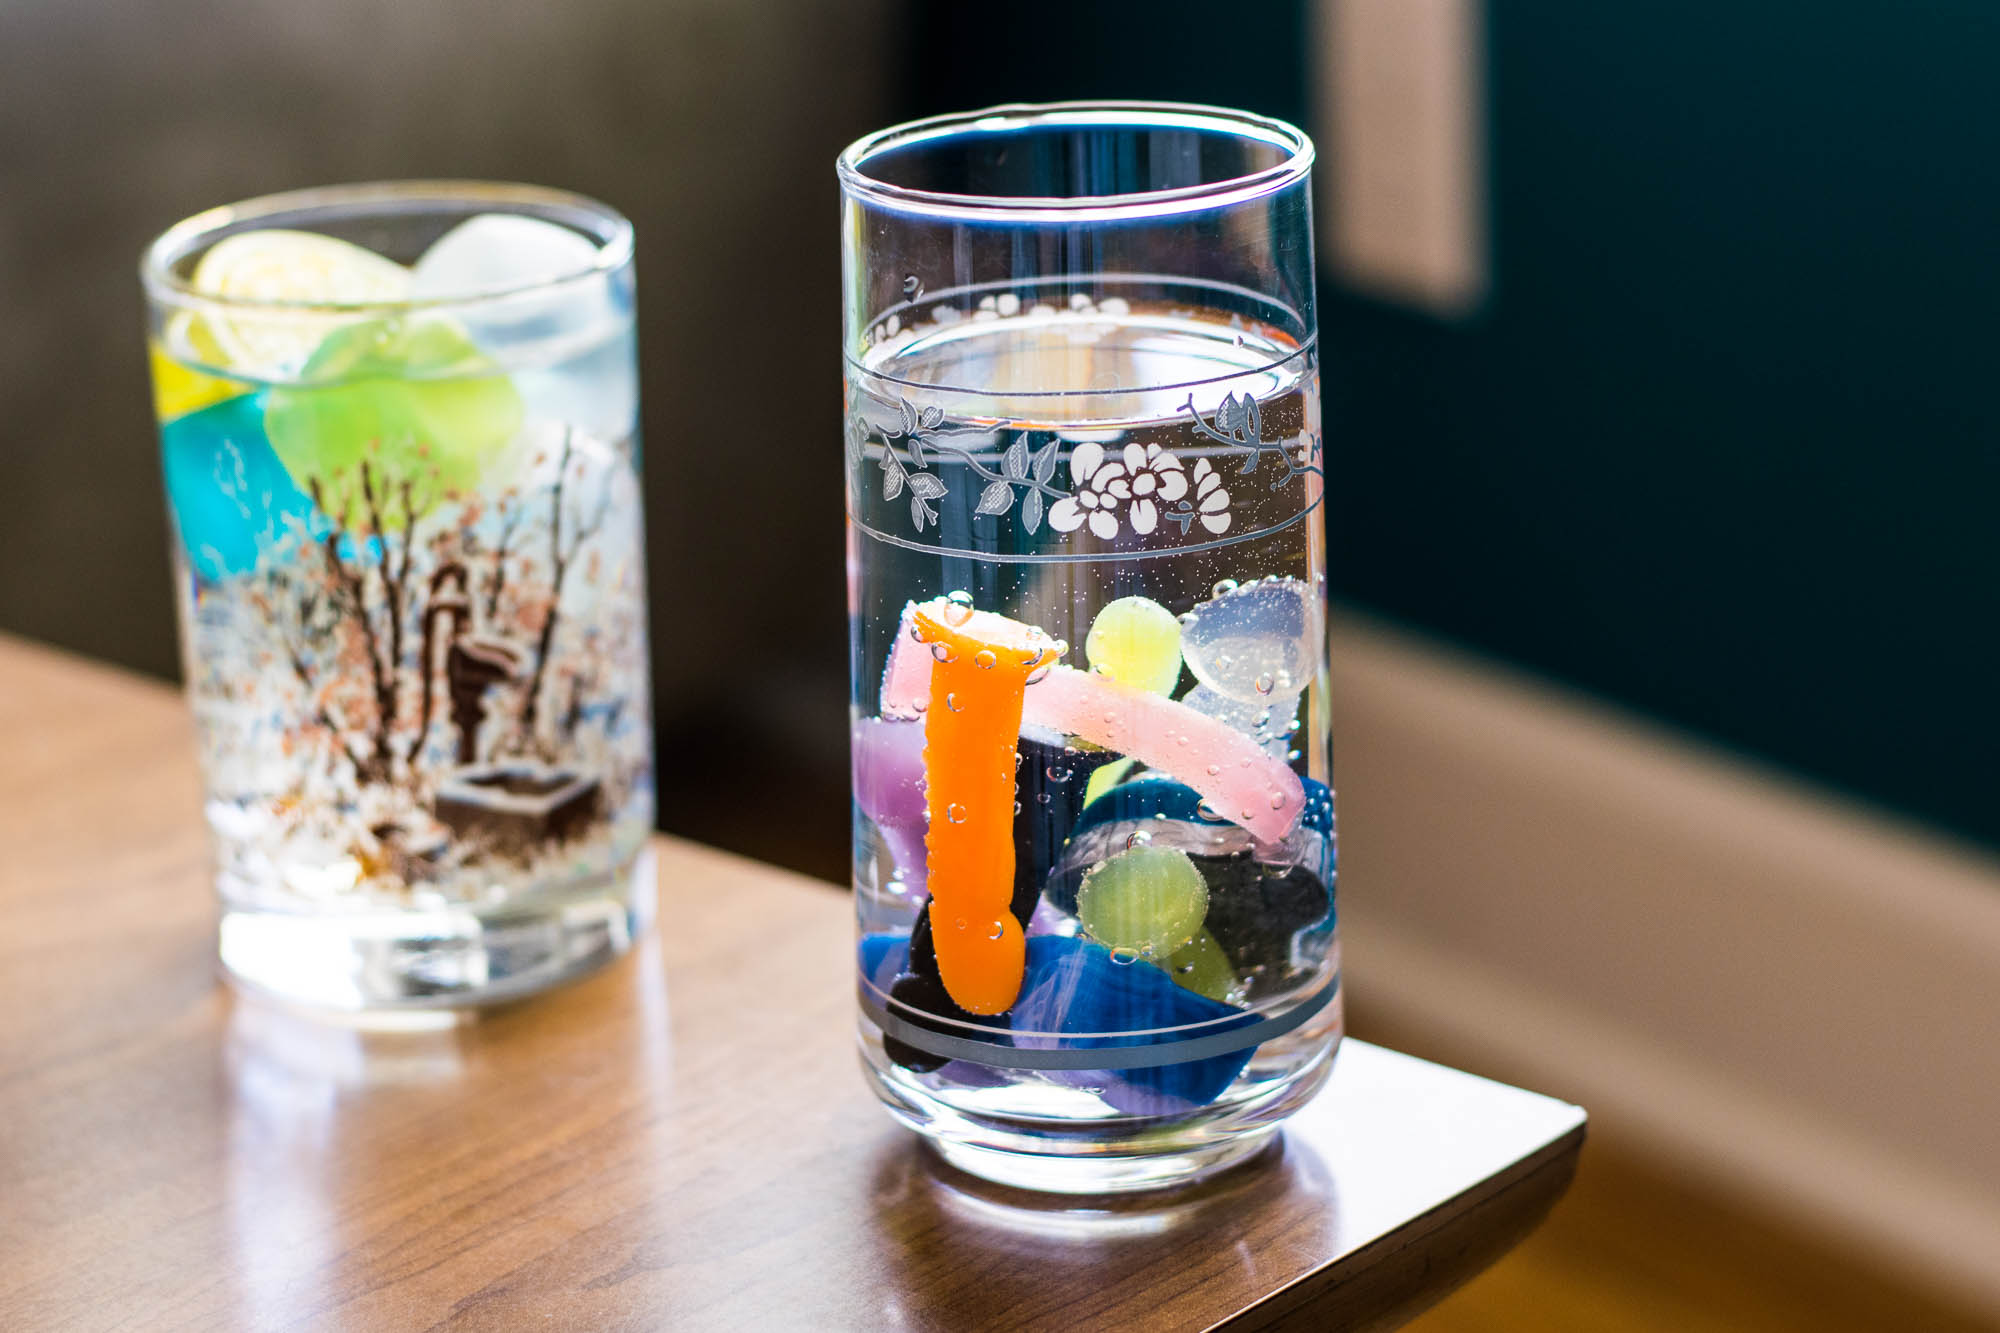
(888, 786)
(906, 681)
(1246, 787)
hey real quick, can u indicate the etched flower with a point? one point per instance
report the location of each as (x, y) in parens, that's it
(1211, 501)
(1138, 480)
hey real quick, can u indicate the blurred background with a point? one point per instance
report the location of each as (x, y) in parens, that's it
(1664, 441)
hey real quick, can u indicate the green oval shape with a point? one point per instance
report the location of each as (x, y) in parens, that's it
(415, 398)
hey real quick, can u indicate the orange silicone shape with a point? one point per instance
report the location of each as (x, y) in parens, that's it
(979, 676)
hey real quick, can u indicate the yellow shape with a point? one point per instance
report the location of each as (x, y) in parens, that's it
(178, 389)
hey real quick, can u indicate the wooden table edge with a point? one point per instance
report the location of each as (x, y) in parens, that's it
(1358, 1291)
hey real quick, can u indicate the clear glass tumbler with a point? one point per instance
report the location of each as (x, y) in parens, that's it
(1093, 830)
(399, 433)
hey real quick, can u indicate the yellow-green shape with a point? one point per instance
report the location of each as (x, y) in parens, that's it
(412, 395)
(1136, 641)
(1201, 966)
(1105, 778)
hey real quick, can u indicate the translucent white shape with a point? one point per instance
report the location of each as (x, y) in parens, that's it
(1257, 643)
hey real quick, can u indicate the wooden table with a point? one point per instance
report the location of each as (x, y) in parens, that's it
(683, 1140)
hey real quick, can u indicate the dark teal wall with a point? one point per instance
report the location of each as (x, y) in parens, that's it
(1724, 444)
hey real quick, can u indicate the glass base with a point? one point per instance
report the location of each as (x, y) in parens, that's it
(998, 1138)
(392, 967)
(1126, 1174)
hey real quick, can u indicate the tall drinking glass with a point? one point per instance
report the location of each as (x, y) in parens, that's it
(1093, 833)
(399, 433)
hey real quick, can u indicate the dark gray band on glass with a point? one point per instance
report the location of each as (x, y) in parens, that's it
(1113, 1057)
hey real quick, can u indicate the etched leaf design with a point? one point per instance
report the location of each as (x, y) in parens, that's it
(909, 415)
(892, 481)
(931, 418)
(926, 487)
(1015, 464)
(1225, 418)
(1045, 462)
(917, 511)
(997, 498)
(1031, 511)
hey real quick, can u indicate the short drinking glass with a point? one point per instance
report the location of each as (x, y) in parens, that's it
(1093, 830)
(398, 429)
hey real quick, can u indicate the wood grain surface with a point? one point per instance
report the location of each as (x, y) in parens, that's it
(682, 1140)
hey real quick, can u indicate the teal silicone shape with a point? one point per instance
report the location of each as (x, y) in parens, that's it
(231, 497)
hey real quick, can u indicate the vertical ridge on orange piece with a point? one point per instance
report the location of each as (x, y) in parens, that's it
(978, 683)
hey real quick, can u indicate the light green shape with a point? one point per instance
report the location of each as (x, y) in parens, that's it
(1148, 899)
(1201, 966)
(1137, 642)
(413, 396)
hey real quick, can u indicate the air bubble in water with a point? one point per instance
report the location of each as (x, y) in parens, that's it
(1265, 683)
(955, 813)
(1124, 957)
(957, 608)
(943, 652)
(913, 286)
(1222, 589)
(951, 701)
(985, 660)
(1138, 838)
(998, 929)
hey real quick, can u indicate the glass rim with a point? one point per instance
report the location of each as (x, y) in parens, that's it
(166, 287)
(1102, 114)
